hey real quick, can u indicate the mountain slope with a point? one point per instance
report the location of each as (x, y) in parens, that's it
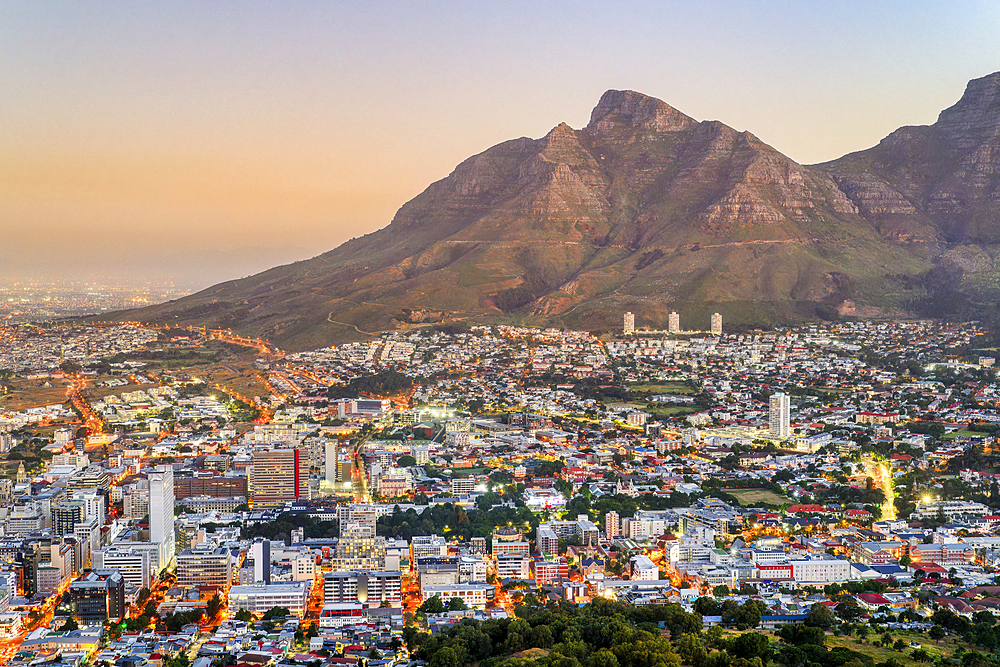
(648, 210)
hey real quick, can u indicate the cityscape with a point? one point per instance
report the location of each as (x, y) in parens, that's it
(387, 334)
(189, 494)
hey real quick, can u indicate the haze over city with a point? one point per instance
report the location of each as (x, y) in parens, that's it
(203, 142)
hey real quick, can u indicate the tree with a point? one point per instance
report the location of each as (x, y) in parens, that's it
(432, 605)
(456, 604)
(936, 633)
(69, 625)
(406, 461)
(751, 645)
(444, 657)
(244, 615)
(720, 591)
(706, 606)
(849, 610)
(214, 606)
(820, 616)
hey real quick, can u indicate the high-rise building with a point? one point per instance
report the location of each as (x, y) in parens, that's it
(716, 324)
(629, 326)
(66, 515)
(133, 564)
(280, 476)
(330, 462)
(161, 512)
(205, 567)
(98, 596)
(780, 415)
(612, 525)
(261, 552)
(674, 322)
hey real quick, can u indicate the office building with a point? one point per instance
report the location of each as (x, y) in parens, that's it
(98, 596)
(716, 324)
(330, 462)
(673, 322)
(258, 598)
(279, 476)
(219, 486)
(629, 324)
(261, 553)
(474, 594)
(372, 589)
(779, 416)
(205, 568)
(161, 511)
(133, 564)
(66, 515)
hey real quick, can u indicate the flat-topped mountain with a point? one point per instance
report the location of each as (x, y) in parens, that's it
(649, 210)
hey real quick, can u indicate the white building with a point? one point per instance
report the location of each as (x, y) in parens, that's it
(133, 564)
(258, 598)
(629, 324)
(161, 511)
(473, 594)
(779, 415)
(643, 569)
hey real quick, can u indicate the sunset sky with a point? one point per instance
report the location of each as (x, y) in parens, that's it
(204, 141)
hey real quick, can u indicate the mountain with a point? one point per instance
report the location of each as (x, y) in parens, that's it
(648, 210)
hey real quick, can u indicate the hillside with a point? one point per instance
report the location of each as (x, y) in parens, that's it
(646, 209)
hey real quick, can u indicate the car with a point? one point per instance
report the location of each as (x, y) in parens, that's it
(914, 644)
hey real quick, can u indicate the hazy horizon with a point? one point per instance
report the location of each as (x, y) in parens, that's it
(208, 142)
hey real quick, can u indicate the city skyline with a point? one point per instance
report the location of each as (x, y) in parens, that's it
(210, 143)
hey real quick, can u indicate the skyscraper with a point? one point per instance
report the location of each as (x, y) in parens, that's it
(716, 324)
(629, 326)
(161, 511)
(674, 322)
(780, 415)
(280, 476)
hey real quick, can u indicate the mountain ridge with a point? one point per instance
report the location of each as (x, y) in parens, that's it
(649, 210)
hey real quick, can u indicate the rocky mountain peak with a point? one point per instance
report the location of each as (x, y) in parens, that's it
(975, 117)
(638, 109)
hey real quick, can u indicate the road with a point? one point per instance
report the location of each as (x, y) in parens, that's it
(359, 479)
(881, 473)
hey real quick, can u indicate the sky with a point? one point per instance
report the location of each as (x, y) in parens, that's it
(197, 142)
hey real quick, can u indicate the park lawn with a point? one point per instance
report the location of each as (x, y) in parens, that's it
(751, 497)
(661, 387)
(945, 647)
(962, 433)
(673, 410)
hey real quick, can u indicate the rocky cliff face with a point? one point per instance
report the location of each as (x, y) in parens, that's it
(646, 209)
(943, 179)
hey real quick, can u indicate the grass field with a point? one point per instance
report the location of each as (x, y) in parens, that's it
(661, 387)
(945, 647)
(672, 411)
(962, 433)
(751, 497)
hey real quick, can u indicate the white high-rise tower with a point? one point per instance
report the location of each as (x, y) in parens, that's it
(673, 322)
(716, 324)
(161, 511)
(780, 415)
(629, 326)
